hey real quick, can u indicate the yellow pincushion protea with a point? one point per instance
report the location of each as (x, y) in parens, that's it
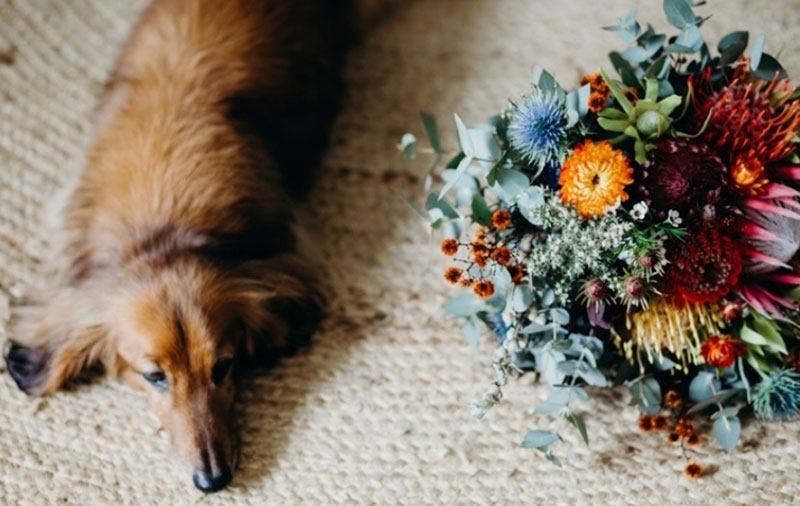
(594, 178)
(664, 326)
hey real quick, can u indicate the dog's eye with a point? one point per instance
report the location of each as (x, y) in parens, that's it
(156, 378)
(221, 370)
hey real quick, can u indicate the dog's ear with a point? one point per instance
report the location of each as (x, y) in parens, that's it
(279, 305)
(54, 342)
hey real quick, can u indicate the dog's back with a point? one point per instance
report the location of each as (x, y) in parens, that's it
(210, 115)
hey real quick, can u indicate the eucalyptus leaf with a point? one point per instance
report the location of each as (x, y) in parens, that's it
(481, 214)
(539, 439)
(510, 183)
(727, 430)
(462, 305)
(472, 331)
(768, 68)
(409, 145)
(701, 386)
(549, 408)
(731, 47)
(431, 130)
(679, 13)
(464, 139)
(577, 421)
(756, 51)
(522, 298)
(721, 397)
(435, 202)
(559, 315)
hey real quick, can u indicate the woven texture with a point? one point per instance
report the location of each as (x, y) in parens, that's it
(377, 411)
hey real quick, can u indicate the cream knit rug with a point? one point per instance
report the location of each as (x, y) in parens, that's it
(376, 412)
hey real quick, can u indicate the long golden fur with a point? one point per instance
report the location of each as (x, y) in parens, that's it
(179, 264)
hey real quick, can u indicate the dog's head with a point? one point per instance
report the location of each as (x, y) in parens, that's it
(182, 335)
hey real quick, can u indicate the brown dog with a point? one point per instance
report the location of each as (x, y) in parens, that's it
(179, 264)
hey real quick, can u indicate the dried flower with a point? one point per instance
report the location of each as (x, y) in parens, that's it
(693, 470)
(597, 101)
(502, 255)
(483, 288)
(594, 177)
(501, 219)
(721, 351)
(693, 440)
(684, 428)
(646, 423)
(450, 247)
(673, 399)
(452, 275)
(480, 253)
(517, 273)
(660, 422)
(673, 437)
(466, 282)
(595, 82)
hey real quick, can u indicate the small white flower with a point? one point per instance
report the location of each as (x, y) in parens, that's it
(639, 211)
(674, 218)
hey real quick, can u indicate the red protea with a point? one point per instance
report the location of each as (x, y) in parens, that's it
(704, 268)
(752, 123)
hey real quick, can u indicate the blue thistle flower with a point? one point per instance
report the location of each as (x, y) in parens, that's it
(777, 397)
(537, 128)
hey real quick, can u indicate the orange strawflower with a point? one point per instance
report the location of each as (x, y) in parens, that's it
(594, 177)
(646, 423)
(660, 422)
(501, 219)
(517, 273)
(452, 275)
(449, 247)
(721, 351)
(693, 470)
(465, 282)
(484, 288)
(673, 400)
(673, 437)
(693, 440)
(502, 255)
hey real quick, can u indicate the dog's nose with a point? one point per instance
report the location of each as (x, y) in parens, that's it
(211, 482)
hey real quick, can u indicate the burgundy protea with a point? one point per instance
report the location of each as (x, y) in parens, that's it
(683, 175)
(704, 268)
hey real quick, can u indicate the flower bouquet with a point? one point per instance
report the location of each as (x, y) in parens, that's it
(638, 230)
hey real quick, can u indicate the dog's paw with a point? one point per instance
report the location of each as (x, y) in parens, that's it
(26, 366)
